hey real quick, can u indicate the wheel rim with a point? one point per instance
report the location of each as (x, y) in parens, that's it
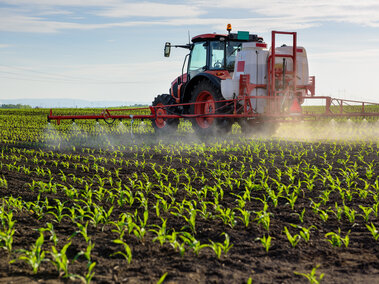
(206, 107)
(160, 122)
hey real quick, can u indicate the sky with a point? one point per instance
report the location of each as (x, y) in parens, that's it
(113, 49)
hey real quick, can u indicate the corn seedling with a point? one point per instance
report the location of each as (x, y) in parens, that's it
(60, 260)
(35, 255)
(128, 252)
(336, 240)
(304, 232)
(292, 239)
(266, 242)
(373, 231)
(312, 277)
(6, 235)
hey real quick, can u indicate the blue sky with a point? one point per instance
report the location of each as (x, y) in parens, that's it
(113, 49)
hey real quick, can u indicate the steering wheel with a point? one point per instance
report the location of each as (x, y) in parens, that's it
(218, 64)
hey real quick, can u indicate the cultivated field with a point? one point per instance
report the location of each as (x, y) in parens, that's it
(90, 202)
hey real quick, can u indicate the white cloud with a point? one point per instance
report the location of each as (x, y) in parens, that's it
(50, 3)
(2, 45)
(50, 12)
(350, 11)
(21, 23)
(258, 25)
(29, 15)
(151, 10)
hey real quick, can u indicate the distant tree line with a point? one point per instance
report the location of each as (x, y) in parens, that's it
(138, 105)
(18, 106)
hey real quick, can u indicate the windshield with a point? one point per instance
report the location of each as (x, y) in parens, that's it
(218, 58)
(222, 56)
(231, 51)
(217, 55)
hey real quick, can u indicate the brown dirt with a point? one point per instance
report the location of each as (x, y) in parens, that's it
(358, 263)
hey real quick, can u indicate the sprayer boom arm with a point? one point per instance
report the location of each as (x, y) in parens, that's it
(333, 108)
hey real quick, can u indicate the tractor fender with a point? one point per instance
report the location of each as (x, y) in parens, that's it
(216, 81)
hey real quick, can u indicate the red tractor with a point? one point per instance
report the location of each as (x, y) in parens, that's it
(214, 68)
(198, 91)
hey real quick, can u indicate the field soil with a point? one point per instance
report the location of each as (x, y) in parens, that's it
(357, 263)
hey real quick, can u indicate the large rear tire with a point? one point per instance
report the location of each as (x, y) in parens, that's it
(164, 124)
(204, 99)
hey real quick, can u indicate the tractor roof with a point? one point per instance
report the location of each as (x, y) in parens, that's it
(232, 36)
(207, 36)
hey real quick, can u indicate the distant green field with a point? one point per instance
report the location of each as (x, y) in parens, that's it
(32, 125)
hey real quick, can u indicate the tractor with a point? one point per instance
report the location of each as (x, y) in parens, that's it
(214, 65)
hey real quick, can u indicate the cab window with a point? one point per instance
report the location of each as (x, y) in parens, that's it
(198, 61)
(231, 51)
(217, 55)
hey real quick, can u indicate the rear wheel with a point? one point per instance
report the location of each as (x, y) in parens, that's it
(205, 97)
(162, 104)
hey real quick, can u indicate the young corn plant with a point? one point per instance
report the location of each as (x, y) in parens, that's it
(191, 220)
(140, 230)
(6, 235)
(82, 229)
(172, 239)
(263, 217)
(60, 260)
(193, 243)
(89, 275)
(161, 232)
(350, 213)
(86, 253)
(292, 199)
(294, 240)
(312, 277)
(245, 216)
(336, 240)
(266, 242)
(128, 252)
(58, 212)
(373, 231)
(218, 248)
(323, 215)
(301, 215)
(3, 182)
(338, 212)
(162, 279)
(227, 215)
(34, 256)
(304, 232)
(366, 212)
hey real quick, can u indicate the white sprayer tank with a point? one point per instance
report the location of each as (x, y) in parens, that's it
(302, 72)
(252, 60)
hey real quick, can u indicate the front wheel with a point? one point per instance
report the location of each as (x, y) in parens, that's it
(205, 98)
(164, 104)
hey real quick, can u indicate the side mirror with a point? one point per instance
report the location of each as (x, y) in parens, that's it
(167, 49)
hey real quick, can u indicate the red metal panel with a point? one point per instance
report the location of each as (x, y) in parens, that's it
(241, 66)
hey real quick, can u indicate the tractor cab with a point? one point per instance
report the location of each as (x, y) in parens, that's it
(211, 56)
(216, 52)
